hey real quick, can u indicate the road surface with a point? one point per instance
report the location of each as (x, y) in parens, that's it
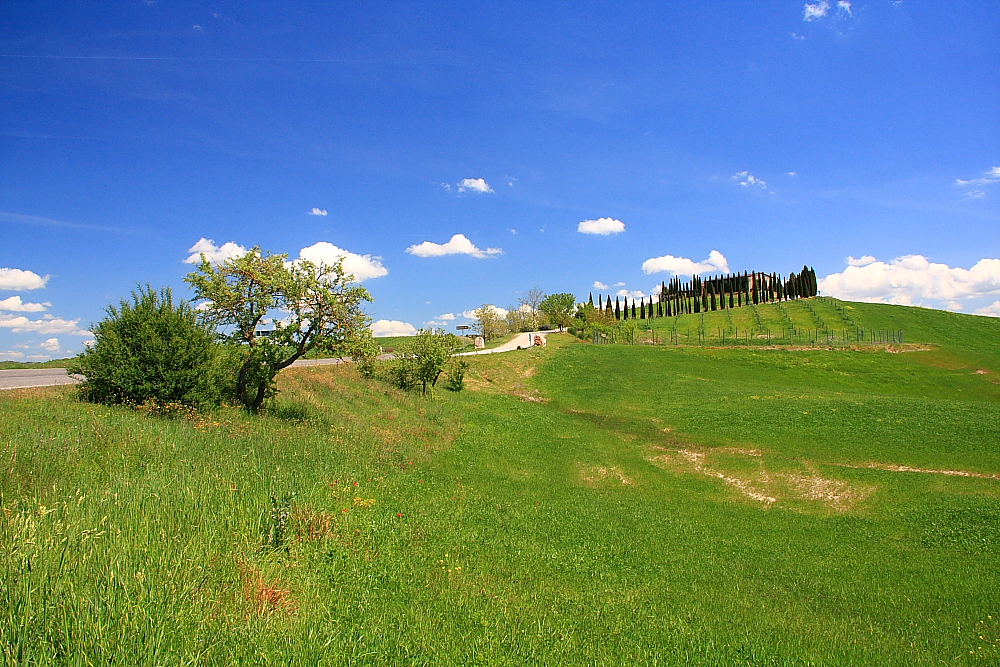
(50, 377)
(36, 377)
(519, 342)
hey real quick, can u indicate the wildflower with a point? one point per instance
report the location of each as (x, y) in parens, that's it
(400, 515)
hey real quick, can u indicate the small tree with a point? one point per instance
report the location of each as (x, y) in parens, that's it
(533, 300)
(558, 308)
(149, 349)
(488, 322)
(322, 304)
(422, 358)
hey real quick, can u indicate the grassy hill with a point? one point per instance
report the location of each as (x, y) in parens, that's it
(579, 504)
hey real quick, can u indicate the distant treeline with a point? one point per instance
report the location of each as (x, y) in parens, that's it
(698, 295)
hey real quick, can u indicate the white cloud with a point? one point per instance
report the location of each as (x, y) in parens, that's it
(797, 36)
(864, 260)
(384, 328)
(815, 11)
(46, 325)
(748, 179)
(602, 226)
(844, 7)
(991, 176)
(913, 279)
(471, 314)
(792, 173)
(599, 285)
(975, 194)
(362, 267)
(446, 316)
(458, 245)
(10, 355)
(619, 284)
(16, 280)
(992, 310)
(635, 294)
(318, 211)
(50, 345)
(14, 304)
(475, 185)
(213, 253)
(716, 263)
(513, 231)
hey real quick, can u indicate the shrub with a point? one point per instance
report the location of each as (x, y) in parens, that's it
(148, 351)
(456, 376)
(422, 359)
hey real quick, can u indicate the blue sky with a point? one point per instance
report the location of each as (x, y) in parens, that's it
(775, 134)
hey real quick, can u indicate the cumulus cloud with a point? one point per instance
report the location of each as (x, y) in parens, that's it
(47, 325)
(213, 253)
(362, 267)
(458, 245)
(816, 10)
(50, 345)
(844, 7)
(746, 179)
(11, 355)
(599, 285)
(384, 328)
(14, 304)
(864, 260)
(318, 211)
(635, 294)
(602, 226)
(471, 314)
(477, 185)
(913, 280)
(16, 280)
(992, 310)
(716, 263)
(446, 316)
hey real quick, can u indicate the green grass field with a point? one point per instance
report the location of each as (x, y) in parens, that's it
(578, 504)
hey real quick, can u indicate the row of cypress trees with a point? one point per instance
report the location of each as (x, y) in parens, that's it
(717, 293)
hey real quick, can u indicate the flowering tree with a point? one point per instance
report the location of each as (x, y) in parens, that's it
(321, 303)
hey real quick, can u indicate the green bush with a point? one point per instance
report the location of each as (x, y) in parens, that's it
(422, 359)
(150, 350)
(456, 375)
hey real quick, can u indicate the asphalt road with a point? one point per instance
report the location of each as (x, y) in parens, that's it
(36, 377)
(50, 377)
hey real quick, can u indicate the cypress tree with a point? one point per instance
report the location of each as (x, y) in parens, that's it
(633, 309)
(608, 307)
(591, 299)
(618, 312)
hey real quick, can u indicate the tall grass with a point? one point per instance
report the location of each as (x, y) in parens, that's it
(546, 516)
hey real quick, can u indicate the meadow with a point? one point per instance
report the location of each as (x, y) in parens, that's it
(577, 504)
